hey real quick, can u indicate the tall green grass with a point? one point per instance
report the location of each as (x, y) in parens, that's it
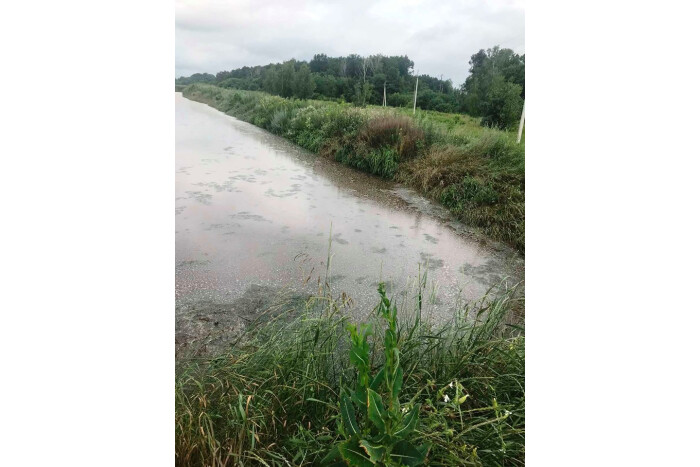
(476, 172)
(274, 398)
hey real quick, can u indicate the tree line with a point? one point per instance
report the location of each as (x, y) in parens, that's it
(494, 89)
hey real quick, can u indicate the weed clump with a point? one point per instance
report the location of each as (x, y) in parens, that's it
(284, 394)
(398, 133)
(384, 433)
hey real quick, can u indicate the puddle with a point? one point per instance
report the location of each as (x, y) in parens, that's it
(250, 204)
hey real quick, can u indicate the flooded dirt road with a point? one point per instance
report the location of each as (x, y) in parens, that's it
(254, 212)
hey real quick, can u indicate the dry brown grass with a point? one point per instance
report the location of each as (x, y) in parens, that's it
(329, 147)
(396, 132)
(441, 166)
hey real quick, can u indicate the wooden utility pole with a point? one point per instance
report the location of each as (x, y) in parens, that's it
(384, 102)
(415, 96)
(522, 122)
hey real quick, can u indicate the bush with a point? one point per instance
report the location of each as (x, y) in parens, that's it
(396, 132)
(443, 165)
(343, 122)
(305, 128)
(468, 191)
(280, 121)
(400, 100)
(381, 161)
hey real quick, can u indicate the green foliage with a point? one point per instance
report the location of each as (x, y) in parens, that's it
(471, 191)
(285, 79)
(495, 88)
(353, 79)
(490, 91)
(196, 78)
(363, 93)
(400, 100)
(503, 105)
(377, 161)
(281, 396)
(240, 83)
(387, 439)
(303, 83)
(343, 123)
(280, 121)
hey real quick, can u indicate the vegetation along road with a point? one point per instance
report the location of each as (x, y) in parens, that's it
(345, 270)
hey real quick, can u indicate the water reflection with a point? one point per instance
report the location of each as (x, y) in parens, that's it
(253, 209)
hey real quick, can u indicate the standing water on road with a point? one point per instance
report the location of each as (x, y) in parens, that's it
(254, 213)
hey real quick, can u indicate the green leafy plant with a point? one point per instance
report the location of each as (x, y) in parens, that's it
(272, 398)
(376, 428)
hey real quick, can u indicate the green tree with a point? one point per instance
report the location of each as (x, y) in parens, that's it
(196, 78)
(363, 93)
(303, 82)
(271, 81)
(286, 79)
(319, 64)
(503, 104)
(347, 78)
(489, 70)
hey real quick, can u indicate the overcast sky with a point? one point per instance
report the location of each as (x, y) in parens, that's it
(439, 36)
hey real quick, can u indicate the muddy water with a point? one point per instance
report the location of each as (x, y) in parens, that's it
(253, 212)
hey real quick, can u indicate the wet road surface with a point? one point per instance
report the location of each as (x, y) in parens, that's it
(254, 212)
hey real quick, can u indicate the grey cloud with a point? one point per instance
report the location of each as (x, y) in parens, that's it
(440, 37)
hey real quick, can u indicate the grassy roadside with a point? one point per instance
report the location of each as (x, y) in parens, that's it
(276, 398)
(477, 173)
